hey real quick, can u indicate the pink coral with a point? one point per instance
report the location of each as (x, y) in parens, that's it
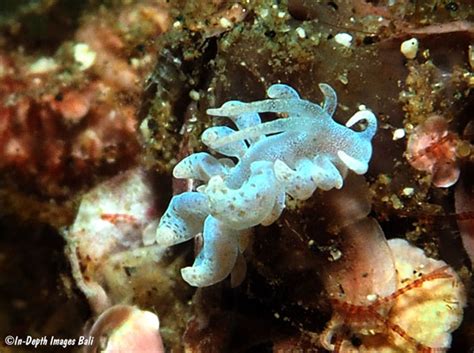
(432, 148)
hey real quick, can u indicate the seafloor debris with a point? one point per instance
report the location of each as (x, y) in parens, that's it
(409, 48)
(51, 144)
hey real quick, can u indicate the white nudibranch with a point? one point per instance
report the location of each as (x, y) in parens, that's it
(294, 156)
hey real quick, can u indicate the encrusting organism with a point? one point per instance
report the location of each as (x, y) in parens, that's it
(418, 316)
(115, 220)
(432, 148)
(293, 156)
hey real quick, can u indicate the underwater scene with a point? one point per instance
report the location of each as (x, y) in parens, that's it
(254, 176)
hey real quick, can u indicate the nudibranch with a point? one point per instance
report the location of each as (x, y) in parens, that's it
(291, 155)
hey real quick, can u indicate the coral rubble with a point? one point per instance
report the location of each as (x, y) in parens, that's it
(70, 117)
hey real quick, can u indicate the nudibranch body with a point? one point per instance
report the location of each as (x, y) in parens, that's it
(293, 155)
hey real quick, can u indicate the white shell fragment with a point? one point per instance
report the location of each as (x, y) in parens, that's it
(84, 55)
(398, 134)
(344, 39)
(409, 48)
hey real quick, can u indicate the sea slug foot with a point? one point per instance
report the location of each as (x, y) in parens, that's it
(276, 211)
